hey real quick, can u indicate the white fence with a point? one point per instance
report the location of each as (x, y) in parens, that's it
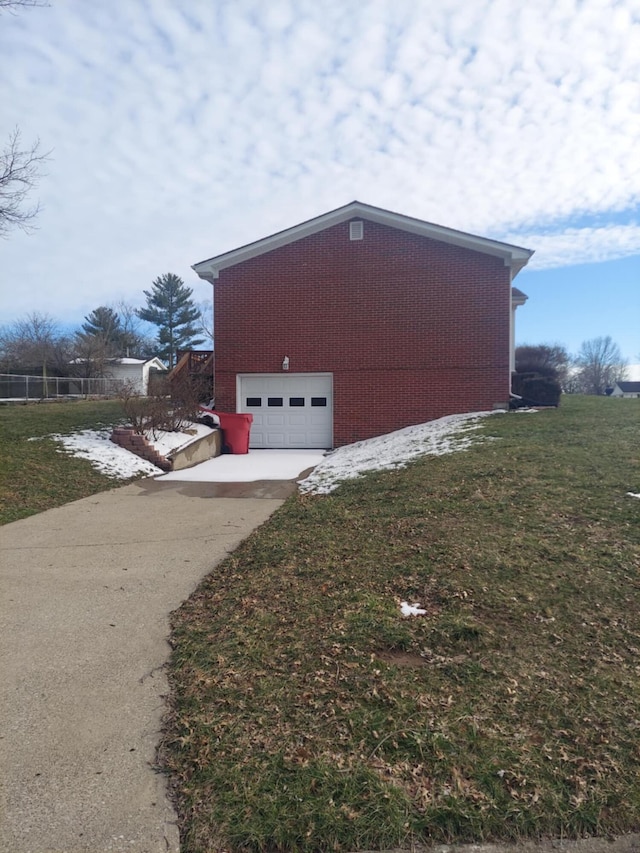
(14, 387)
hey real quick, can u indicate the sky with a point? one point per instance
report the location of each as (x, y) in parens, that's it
(181, 130)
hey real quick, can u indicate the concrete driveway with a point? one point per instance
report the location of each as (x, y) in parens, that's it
(84, 617)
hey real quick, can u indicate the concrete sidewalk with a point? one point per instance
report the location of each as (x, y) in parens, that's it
(86, 594)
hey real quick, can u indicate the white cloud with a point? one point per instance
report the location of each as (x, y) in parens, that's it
(181, 133)
(579, 245)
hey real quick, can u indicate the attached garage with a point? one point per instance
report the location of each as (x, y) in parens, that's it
(291, 410)
(360, 322)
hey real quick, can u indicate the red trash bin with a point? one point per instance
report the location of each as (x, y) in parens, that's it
(236, 429)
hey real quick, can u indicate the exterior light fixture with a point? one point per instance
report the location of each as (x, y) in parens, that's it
(285, 363)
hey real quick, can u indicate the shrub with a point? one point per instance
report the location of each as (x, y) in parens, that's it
(536, 390)
(172, 406)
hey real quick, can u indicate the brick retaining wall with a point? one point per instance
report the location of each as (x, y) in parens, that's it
(129, 439)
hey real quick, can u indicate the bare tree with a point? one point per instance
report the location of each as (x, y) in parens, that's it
(600, 365)
(205, 320)
(19, 173)
(34, 344)
(25, 4)
(137, 343)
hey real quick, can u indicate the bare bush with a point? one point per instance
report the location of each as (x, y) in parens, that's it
(135, 407)
(186, 393)
(171, 408)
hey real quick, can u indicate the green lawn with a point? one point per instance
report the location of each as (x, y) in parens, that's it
(35, 475)
(307, 715)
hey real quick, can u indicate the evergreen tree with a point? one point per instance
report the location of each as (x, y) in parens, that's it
(551, 360)
(170, 307)
(103, 323)
(98, 340)
(103, 336)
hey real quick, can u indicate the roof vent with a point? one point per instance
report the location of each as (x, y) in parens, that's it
(356, 230)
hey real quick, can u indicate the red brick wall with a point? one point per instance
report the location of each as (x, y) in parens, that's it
(412, 329)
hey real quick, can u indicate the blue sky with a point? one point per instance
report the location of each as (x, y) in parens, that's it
(180, 130)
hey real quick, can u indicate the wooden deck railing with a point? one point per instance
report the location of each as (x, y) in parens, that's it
(195, 365)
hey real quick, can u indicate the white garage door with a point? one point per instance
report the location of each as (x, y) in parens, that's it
(289, 410)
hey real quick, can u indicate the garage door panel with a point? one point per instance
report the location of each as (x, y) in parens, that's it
(297, 439)
(315, 439)
(292, 410)
(274, 420)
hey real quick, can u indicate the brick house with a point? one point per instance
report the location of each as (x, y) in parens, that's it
(360, 322)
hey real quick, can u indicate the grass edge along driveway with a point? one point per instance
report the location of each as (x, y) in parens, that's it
(306, 714)
(35, 472)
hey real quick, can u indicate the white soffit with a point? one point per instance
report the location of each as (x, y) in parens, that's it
(518, 298)
(515, 257)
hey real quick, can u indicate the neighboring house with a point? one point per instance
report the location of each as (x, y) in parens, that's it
(360, 322)
(136, 372)
(626, 389)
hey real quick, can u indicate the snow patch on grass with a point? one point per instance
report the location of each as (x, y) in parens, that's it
(394, 450)
(105, 456)
(114, 461)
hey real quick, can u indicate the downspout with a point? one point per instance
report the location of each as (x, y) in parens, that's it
(211, 276)
(512, 329)
(518, 298)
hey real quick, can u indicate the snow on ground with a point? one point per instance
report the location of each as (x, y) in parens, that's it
(165, 442)
(394, 450)
(104, 455)
(411, 609)
(250, 467)
(115, 461)
(634, 494)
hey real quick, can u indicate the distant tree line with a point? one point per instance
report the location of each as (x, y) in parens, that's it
(37, 344)
(596, 367)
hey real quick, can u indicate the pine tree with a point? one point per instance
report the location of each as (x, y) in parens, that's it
(170, 307)
(104, 335)
(99, 339)
(103, 323)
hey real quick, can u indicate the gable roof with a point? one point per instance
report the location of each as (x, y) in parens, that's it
(629, 387)
(513, 256)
